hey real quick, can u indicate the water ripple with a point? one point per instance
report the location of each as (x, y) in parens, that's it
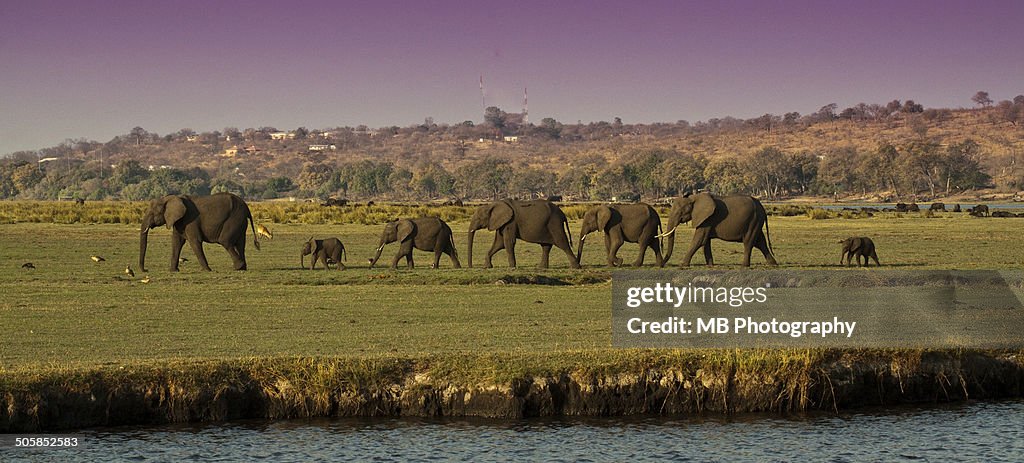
(979, 432)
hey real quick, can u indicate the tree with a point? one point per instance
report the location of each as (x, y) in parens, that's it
(981, 99)
(495, 117)
(138, 133)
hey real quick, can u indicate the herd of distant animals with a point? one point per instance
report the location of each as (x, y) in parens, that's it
(222, 219)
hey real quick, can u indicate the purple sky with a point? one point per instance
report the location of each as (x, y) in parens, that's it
(95, 69)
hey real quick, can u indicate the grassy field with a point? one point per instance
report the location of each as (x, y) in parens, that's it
(70, 312)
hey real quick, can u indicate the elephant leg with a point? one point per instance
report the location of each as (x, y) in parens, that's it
(659, 258)
(639, 262)
(499, 244)
(177, 241)
(337, 259)
(510, 248)
(238, 260)
(240, 246)
(761, 243)
(613, 253)
(698, 241)
(709, 259)
(875, 257)
(608, 256)
(562, 242)
(197, 248)
(545, 254)
(438, 250)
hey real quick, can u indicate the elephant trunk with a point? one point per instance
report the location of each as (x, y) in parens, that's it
(143, 242)
(579, 248)
(472, 234)
(380, 248)
(671, 237)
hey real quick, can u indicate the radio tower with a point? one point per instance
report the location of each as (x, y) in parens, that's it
(526, 112)
(483, 103)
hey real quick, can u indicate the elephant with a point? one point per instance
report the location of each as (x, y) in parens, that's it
(937, 207)
(328, 250)
(219, 218)
(730, 218)
(425, 234)
(956, 208)
(981, 210)
(913, 207)
(538, 221)
(633, 223)
(901, 207)
(857, 247)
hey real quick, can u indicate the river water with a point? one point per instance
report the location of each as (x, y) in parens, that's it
(983, 432)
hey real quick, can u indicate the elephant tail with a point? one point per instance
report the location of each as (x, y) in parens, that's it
(568, 231)
(767, 233)
(661, 237)
(451, 240)
(255, 236)
(344, 254)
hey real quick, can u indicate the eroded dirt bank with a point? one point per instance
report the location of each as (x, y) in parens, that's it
(503, 386)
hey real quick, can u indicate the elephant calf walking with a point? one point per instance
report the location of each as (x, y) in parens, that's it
(425, 234)
(328, 250)
(857, 247)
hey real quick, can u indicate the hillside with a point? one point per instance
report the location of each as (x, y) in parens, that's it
(892, 152)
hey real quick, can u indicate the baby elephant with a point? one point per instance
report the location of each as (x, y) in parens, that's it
(329, 250)
(857, 247)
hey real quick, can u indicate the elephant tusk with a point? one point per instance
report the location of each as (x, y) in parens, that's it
(583, 238)
(381, 248)
(668, 232)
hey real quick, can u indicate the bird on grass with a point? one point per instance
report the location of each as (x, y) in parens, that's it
(98, 259)
(128, 271)
(145, 280)
(182, 260)
(28, 265)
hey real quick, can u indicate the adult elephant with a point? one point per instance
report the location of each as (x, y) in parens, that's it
(425, 234)
(632, 223)
(539, 221)
(220, 218)
(728, 218)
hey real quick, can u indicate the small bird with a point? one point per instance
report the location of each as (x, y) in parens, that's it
(98, 259)
(28, 265)
(128, 271)
(145, 280)
(182, 260)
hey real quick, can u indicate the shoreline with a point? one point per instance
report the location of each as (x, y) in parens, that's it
(504, 386)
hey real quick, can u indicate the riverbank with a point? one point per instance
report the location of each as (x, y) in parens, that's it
(586, 383)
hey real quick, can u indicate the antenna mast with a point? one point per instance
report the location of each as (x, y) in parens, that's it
(526, 112)
(483, 102)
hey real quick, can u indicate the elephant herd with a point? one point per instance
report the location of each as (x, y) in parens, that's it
(223, 218)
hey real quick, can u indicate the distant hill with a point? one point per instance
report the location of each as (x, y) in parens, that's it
(897, 150)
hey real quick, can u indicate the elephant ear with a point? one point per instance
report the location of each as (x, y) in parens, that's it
(501, 214)
(405, 229)
(703, 208)
(856, 244)
(174, 210)
(604, 215)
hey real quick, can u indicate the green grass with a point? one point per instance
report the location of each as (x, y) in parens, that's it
(73, 313)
